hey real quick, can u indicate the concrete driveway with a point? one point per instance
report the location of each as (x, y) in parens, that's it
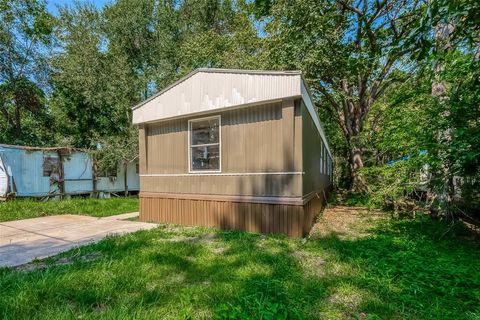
(22, 241)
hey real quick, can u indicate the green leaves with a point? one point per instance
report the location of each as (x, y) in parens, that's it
(25, 33)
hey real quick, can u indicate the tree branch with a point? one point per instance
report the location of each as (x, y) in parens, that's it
(350, 8)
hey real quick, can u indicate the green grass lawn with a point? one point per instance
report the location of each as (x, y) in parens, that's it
(354, 266)
(29, 208)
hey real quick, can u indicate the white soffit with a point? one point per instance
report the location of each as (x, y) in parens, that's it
(205, 90)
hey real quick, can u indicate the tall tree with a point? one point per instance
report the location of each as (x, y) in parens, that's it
(94, 89)
(165, 40)
(448, 38)
(25, 36)
(111, 59)
(350, 53)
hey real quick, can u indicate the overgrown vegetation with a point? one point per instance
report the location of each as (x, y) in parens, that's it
(391, 79)
(29, 208)
(356, 265)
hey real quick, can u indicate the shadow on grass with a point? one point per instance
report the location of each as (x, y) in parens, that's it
(428, 277)
(401, 270)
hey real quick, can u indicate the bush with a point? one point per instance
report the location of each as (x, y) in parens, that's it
(398, 186)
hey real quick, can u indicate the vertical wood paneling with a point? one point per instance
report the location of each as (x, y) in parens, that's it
(293, 220)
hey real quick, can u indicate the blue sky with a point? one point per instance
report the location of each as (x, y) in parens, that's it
(52, 4)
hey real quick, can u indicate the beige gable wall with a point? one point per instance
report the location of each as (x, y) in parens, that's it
(206, 91)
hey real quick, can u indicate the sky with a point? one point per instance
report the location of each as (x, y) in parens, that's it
(52, 4)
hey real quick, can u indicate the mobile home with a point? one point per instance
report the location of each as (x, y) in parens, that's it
(57, 172)
(233, 149)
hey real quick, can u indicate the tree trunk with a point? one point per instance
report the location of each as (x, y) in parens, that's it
(357, 183)
(18, 124)
(94, 177)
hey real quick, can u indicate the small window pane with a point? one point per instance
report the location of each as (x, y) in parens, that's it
(205, 158)
(205, 131)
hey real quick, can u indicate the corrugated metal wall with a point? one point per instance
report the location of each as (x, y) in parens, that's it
(26, 166)
(315, 158)
(78, 173)
(273, 138)
(117, 184)
(261, 139)
(292, 220)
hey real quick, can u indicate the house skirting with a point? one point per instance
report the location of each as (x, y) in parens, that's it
(293, 217)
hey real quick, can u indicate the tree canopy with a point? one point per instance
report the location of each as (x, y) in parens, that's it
(391, 78)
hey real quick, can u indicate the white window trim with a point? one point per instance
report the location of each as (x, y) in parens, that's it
(189, 158)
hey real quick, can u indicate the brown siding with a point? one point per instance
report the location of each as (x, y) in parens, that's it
(254, 185)
(292, 220)
(311, 210)
(315, 178)
(142, 140)
(253, 140)
(277, 137)
(166, 147)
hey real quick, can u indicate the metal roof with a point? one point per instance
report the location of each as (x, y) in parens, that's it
(214, 70)
(208, 90)
(11, 146)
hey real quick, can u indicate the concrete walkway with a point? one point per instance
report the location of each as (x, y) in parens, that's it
(22, 241)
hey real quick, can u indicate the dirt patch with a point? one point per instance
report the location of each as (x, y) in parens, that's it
(310, 262)
(347, 300)
(37, 265)
(345, 222)
(218, 250)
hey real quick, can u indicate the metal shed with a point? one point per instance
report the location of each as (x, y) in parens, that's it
(235, 149)
(58, 171)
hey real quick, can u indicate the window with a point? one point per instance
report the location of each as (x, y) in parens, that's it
(204, 144)
(51, 165)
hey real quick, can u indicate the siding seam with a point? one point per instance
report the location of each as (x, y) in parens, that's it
(220, 174)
